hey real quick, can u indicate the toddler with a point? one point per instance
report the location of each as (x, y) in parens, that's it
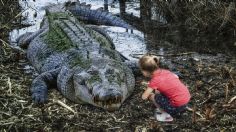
(171, 95)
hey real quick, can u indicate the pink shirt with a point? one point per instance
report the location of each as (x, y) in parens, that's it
(169, 85)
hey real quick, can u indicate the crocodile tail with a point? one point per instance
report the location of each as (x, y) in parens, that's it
(98, 16)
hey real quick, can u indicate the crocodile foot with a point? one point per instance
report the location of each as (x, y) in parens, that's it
(39, 98)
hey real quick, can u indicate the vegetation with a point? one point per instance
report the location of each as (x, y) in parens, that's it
(12, 11)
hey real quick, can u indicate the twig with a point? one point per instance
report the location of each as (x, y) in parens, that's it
(9, 85)
(197, 113)
(231, 100)
(213, 86)
(194, 114)
(208, 98)
(117, 120)
(4, 42)
(17, 49)
(232, 79)
(229, 14)
(19, 14)
(166, 55)
(2, 3)
(8, 123)
(226, 92)
(12, 120)
(112, 128)
(65, 106)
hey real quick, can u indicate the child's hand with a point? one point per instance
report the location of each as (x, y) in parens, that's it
(147, 93)
(144, 97)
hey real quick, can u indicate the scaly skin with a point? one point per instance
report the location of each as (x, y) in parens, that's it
(96, 16)
(80, 60)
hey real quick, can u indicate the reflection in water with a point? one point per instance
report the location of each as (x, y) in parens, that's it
(160, 31)
(159, 34)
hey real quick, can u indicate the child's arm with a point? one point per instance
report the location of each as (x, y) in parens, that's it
(147, 93)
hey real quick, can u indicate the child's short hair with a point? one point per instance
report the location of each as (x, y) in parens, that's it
(149, 63)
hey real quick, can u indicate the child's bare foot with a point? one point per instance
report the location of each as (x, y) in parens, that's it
(162, 116)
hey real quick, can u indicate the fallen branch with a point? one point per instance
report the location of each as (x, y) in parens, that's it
(166, 55)
(65, 106)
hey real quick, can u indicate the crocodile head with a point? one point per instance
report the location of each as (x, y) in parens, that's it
(104, 84)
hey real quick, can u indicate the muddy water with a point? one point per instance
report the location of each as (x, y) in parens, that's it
(182, 38)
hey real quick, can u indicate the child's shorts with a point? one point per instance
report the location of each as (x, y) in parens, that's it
(164, 103)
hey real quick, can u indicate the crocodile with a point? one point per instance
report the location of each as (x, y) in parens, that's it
(79, 59)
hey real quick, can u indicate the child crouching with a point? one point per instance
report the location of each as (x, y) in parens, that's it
(171, 95)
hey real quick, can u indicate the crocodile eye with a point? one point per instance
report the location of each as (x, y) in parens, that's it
(93, 72)
(110, 71)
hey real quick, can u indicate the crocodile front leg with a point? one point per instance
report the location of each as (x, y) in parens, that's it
(134, 66)
(41, 83)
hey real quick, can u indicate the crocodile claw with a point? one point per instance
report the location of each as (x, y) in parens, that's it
(39, 98)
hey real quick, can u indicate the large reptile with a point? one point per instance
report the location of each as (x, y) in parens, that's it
(80, 60)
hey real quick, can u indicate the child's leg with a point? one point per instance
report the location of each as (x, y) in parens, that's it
(164, 103)
(160, 114)
(152, 98)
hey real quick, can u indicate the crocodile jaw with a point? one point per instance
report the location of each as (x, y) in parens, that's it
(103, 98)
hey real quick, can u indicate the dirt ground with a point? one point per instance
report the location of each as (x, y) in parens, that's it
(210, 78)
